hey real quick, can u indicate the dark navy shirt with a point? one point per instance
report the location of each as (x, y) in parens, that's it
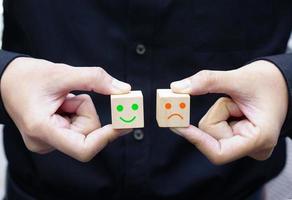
(148, 44)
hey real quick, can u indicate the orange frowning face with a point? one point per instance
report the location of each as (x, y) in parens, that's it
(172, 109)
(168, 106)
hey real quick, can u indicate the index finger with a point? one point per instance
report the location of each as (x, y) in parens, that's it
(92, 79)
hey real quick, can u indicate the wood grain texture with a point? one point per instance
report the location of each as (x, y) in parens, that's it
(172, 109)
(127, 110)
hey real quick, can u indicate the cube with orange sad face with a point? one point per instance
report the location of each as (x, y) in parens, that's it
(172, 109)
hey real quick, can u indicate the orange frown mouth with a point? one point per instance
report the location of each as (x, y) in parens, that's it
(175, 114)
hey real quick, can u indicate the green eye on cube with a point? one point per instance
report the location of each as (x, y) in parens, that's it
(120, 108)
(134, 107)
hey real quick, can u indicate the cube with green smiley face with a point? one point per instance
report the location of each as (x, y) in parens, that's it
(127, 110)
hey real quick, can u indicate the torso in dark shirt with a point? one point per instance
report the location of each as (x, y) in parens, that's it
(180, 38)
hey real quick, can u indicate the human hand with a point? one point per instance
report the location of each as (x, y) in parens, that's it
(258, 105)
(36, 95)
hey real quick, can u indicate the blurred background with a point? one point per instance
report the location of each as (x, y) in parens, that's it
(278, 189)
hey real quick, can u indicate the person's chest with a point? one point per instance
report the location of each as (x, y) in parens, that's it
(207, 25)
(177, 37)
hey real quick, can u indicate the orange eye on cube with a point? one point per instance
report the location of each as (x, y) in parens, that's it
(182, 105)
(172, 109)
(167, 106)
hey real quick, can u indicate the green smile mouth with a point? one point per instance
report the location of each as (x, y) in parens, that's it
(128, 121)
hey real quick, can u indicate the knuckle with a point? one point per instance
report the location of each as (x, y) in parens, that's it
(223, 101)
(96, 76)
(208, 76)
(265, 139)
(207, 126)
(271, 143)
(58, 70)
(216, 161)
(62, 65)
(263, 156)
(99, 72)
(31, 146)
(209, 79)
(85, 97)
(204, 72)
(83, 159)
(256, 136)
(32, 127)
(84, 154)
(217, 158)
(35, 145)
(203, 125)
(45, 151)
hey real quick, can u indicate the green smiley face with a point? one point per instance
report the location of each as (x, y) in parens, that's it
(120, 108)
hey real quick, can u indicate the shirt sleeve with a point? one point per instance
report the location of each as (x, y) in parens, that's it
(6, 57)
(284, 64)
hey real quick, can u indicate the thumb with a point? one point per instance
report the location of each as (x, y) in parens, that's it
(93, 79)
(206, 81)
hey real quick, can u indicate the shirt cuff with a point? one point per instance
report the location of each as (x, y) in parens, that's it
(6, 57)
(284, 64)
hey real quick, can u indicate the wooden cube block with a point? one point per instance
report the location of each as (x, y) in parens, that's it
(127, 110)
(172, 109)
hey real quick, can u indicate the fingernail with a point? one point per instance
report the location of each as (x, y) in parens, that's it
(181, 86)
(121, 86)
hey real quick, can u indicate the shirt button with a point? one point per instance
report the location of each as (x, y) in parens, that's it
(140, 49)
(138, 134)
